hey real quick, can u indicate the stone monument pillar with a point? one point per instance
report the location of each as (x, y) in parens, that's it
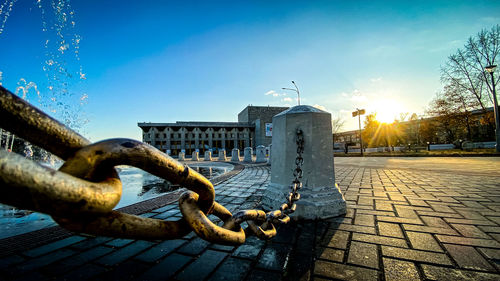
(222, 155)
(235, 155)
(320, 195)
(261, 154)
(208, 155)
(196, 156)
(247, 155)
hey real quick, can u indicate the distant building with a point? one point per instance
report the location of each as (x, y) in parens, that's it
(254, 127)
(413, 132)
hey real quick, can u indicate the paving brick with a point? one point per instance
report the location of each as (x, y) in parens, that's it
(376, 213)
(335, 239)
(232, 269)
(363, 254)
(415, 255)
(434, 221)
(417, 202)
(165, 208)
(367, 220)
(127, 270)
(166, 268)
(468, 221)
(492, 255)
(352, 205)
(489, 243)
(194, 247)
(495, 219)
(53, 246)
(124, 253)
(274, 257)
(383, 206)
(470, 214)
(344, 220)
(396, 197)
(330, 254)
(380, 240)
(449, 274)
(261, 275)
(90, 242)
(354, 228)
(298, 267)
(159, 251)
(467, 257)
(306, 237)
(33, 275)
(405, 212)
(439, 214)
(119, 242)
(430, 229)
(250, 249)
(344, 272)
(202, 266)
(65, 265)
(10, 260)
(390, 229)
(398, 270)
(83, 273)
(423, 241)
(400, 220)
(470, 231)
(441, 208)
(45, 260)
(494, 229)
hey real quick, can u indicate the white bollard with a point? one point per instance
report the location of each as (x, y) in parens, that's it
(261, 154)
(196, 156)
(181, 156)
(235, 155)
(320, 195)
(208, 155)
(222, 155)
(247, 155)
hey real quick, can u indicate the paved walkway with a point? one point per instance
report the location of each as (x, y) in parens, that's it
(401, 224)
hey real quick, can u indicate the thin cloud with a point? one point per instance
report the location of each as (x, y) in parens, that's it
(273, 93)
(375, 80)
(287, 99)
(320, 107)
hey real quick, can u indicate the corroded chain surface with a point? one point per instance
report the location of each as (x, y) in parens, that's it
(81, 195)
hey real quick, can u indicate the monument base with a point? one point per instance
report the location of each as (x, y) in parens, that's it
(322, 203)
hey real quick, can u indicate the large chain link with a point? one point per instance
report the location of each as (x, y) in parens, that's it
(81, 195)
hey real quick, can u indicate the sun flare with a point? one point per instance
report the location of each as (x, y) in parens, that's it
(387, 110)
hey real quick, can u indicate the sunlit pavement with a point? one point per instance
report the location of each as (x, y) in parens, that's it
(407, 219)
(469, 165)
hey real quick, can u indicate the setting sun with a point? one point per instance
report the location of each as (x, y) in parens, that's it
(387, 110)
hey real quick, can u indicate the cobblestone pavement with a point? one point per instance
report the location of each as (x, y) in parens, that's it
(401, 224)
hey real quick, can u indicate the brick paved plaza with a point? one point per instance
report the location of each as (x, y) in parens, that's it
(411, 223)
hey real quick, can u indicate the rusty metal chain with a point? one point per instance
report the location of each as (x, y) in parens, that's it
(81, 195)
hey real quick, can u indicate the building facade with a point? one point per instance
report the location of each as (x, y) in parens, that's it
(249, 131)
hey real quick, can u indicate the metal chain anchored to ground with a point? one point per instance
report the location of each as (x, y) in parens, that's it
(81, 195)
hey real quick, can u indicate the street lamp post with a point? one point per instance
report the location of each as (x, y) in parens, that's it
(358, 113)
(295, 90)
(491, 69)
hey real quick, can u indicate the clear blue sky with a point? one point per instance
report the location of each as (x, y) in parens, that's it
(165, 61)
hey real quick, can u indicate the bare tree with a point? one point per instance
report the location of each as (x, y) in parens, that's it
(464, 72)
(337, 123)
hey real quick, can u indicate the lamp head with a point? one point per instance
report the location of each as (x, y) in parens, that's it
(490, 68)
